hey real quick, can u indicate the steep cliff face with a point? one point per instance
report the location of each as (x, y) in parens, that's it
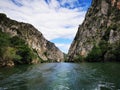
(46, 50)
(99, 34)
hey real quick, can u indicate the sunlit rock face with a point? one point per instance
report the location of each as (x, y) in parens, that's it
(45, 49)
(101, 24)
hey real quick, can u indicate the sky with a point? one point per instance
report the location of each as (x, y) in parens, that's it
(57, 20)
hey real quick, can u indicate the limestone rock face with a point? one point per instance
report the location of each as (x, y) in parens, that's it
(102, 23)
(46, 50)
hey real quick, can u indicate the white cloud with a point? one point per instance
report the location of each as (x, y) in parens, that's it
(51, 19)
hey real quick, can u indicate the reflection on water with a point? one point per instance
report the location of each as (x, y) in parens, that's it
(61, 76)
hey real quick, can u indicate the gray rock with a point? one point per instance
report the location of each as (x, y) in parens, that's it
(102, 23)
(45, 49)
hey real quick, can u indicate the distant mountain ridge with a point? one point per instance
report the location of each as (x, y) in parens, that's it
(98, 38)
(45, 50)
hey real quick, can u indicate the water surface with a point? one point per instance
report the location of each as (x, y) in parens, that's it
(61, 76)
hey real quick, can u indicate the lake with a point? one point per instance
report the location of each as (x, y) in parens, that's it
(61, 76)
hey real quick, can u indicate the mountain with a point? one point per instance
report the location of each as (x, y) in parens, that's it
(98, 38)
(24, 40)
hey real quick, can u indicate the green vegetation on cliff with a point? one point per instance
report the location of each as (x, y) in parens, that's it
(14, 49)
(95, 54)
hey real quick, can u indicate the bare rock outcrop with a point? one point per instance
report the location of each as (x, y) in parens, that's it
(100, 30)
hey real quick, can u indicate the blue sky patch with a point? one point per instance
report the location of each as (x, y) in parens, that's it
(75, 4)
(61, 40)
(47, 1)
(17, 3)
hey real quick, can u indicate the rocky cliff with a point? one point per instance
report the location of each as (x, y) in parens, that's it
(45, 50)
(98, 38)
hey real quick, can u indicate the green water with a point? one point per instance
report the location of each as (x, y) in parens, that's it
(61, 76)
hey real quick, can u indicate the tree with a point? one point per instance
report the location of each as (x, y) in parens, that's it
(95, 54)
